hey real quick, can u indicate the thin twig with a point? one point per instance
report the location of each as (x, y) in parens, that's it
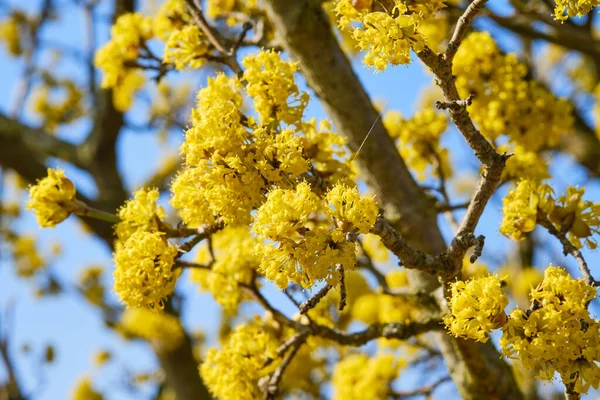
(313, 301)
(391, 330)
(424, 391)
(568, 248)
(342, 305)
(192, 265)
(462, 26)
(273, 384)
(26, 81)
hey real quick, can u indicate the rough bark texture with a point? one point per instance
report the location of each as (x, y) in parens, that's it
(304, 31)
(185, 380)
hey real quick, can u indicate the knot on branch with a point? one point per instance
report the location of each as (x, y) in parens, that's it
(459, 247)
(455, 105)
(478, 243)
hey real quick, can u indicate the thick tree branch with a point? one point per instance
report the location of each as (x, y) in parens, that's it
(304, 31)
(409, 257)
(38, 141)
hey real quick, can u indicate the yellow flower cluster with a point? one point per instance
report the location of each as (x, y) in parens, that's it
(60, 110)
(229, 8)
(220, 177)
(52, 198)
(305, 252)
(418, 141)
(359, 376)
(171, 16)
(232, 161)
(523, 164)
(162, 330)
(579, 218)
(558, 336)
(235, 263)
(387, 35)
(27, 258)
(381, 308)
(91, 286)
(144, 274)
(505, 102)
(11, 32)
(521, 206)
(328, 152)
(84, 390)
(129, 33)
(476, 308)
(125, 91)
(374, 248)
(186, 47)
(350, 211)
(573, 8)
(139, 214)
(272, 87)
(232, 373)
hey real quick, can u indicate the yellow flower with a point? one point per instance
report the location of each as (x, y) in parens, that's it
(373, 307)
(171, 16)
(234, 264)
(162, 330)
(233, 372)
(389, 39)
(55, 111)
(558, 335)
(573, 8)
(418, 141)
(52, 198)
(476, 308)
(523, 164)
(359, 376)
(285, 214)
(580, 218)
(374, 248)
(272, 87)
(127, 35)
(124, 92)
(349, 210)
(521, 207)
(90, 284)
(186, 48)
(139, 213)
(507, 102)
(11, 32)
(144, 273)
(26, 256)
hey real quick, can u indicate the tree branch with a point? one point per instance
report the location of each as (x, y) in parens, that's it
(568, 248)
(462, 27)
(424, 391)
(410, 257)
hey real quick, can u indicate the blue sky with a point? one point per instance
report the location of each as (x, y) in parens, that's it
(71, 325)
